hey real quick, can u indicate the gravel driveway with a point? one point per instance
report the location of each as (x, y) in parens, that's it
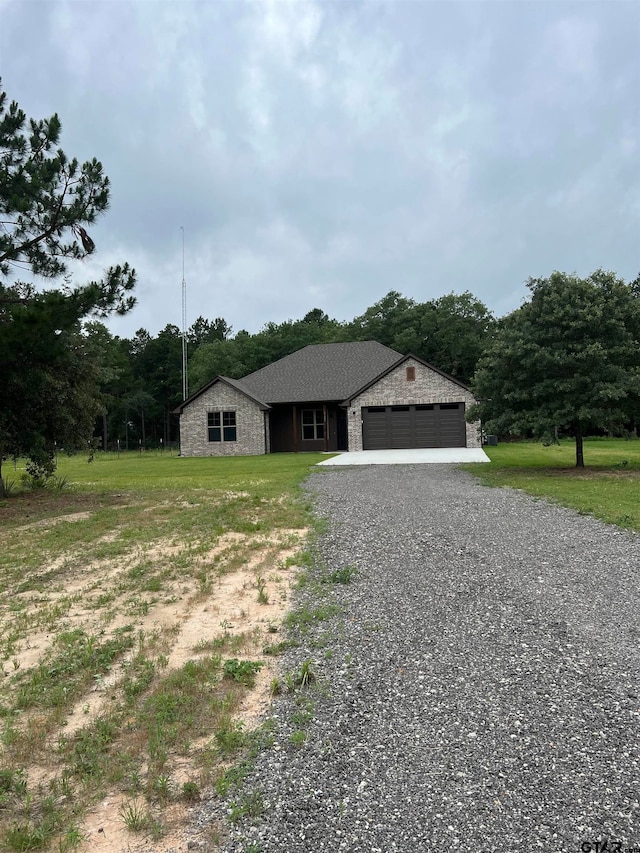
(479, 691)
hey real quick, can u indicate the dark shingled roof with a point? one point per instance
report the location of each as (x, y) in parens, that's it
(319, 372)
(237, 384)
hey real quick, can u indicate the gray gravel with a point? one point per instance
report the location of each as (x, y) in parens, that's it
(479, 690)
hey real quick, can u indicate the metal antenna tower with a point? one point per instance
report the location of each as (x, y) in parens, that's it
(185, 383)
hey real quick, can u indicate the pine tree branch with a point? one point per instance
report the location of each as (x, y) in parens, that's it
(24, 247)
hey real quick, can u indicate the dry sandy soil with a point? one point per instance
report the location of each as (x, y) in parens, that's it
(188, 617)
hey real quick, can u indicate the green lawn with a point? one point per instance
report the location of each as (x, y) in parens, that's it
(151, 473)
(267, 475)
(99, 576)
(608, 487)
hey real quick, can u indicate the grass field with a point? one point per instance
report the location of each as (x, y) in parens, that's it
(608, 487)
(139, 608)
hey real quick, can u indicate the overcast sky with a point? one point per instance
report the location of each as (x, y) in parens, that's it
(320, 154)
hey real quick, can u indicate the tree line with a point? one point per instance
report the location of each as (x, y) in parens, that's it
(141, 377)
(566, 362)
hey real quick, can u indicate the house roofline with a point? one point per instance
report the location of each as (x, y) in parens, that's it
(231, 383)
(347, 402)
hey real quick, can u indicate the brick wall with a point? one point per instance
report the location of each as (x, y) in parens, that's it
(250, 428)
(394, 390)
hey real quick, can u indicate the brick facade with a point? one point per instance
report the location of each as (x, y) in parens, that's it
(220, 397)
(394, 390)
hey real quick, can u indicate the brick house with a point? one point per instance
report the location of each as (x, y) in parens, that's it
(329, 397)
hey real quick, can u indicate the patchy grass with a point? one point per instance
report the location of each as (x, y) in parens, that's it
(608, 487)
(135, 605)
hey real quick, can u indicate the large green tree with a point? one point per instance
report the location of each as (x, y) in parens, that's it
(450, 332)
(568, 360)
(455, 330)
(203, 331)
(383, 321)
(49, 383)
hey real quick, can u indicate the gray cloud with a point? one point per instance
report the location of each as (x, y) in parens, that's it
(322, 154)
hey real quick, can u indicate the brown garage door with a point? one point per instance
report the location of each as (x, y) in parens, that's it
(400, 427)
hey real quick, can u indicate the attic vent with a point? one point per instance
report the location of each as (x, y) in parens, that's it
(411, 374)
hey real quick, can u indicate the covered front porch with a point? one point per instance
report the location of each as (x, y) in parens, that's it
(312, 426)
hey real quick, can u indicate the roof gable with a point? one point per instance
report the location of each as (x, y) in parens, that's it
(236, 384)
(320, 372)
(400, 361)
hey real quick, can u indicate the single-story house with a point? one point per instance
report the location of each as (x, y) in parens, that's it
(329, 397)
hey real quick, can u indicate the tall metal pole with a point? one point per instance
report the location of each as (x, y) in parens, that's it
(185, 383)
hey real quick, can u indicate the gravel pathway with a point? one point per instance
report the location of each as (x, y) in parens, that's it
(479, 690)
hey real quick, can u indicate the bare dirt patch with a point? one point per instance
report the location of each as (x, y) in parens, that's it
(231, 608)
(180, 601)
(56, 519)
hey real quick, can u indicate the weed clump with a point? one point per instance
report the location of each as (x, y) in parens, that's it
(343, 576)
(242, 671)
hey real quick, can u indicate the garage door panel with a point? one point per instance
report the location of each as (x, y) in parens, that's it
(400, 427)
(451, 438)
(426, 439)
(452, 426)
(404, 427)
(375, 429)
(426, 436)
(426, 427)
(400, 441)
